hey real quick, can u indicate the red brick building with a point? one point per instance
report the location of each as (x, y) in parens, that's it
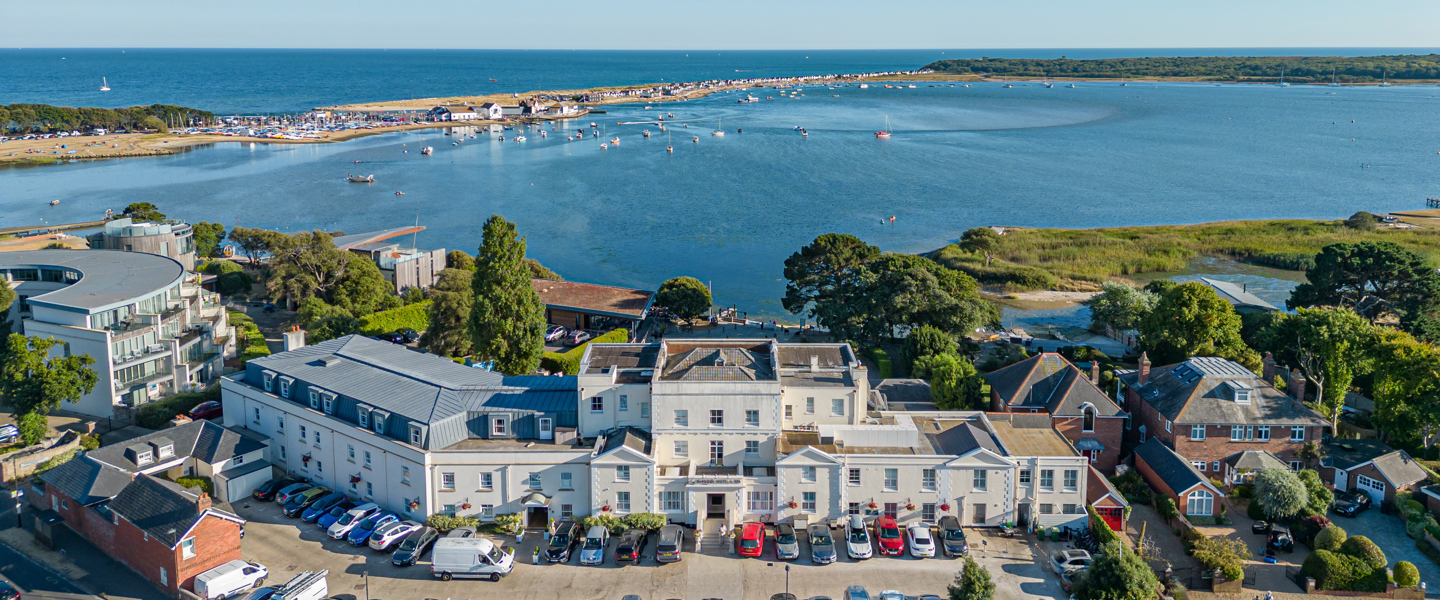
(1208, 409)
(1372, 467)
(1170, 474)
(1082, 413)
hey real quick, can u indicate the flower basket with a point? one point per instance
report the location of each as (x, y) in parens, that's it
(909, 506)
(305, 459)
(465, 506)
(354, 479)
(414, 505)
(872, 506)
(793, 504)
(945, 507)
(605, 508)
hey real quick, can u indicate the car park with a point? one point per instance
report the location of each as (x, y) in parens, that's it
(386, 536)
(206, 410)
(857, 540)
(290, 490)
(822, 545)
(592, 552)
(562, 542)
(1351, 503)
(887, 534)
(319, 507)
(367, 527)
(787, 544)
(334, 514)
(892, 595)
(555, 332)
(1279, 540)
(470, 557)
(300, 501)
(669, 544)
(414, 546)
(922, 545)
(1069, 560)
(230, 578)
(952, 537)
(752, 539)
(631, 544)
(348, 521)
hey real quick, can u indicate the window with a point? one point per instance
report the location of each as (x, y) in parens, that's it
(405, 475)
(1142, 434)
(285, 387)
(752, 418)
(853, 509)
(1297, 433)
(567, 511)
(314, 398)
(269, 379)
(487, 481)
(892, 479)
(717, 452)
(682, 449)
(534, 482)
(624, 403)
(927, 512)
(167, 451)
(717, 418)
(1087, 423)
(682, 418)
(1197, 432)
(280, 420)
(377, 421)
(1024, 476)
(447, 482)
(282, 452)
(497, 427)
(789, 411)
(979, 480)
(807, 502)
(807, 474)
(622, 473)
(854, 476)
(676, 501)
(644, 410)
(752, 447)
(448, 509)
(1294, 466)
(1262, 433)
(327, 403)
(567, 481)
(1215, 466)
(367, 459)
(239, 460)
(369, 490)
(365, 419)
(187, 548)
(892, 509)
(144, 458)
(353, 485)
(1047, 479)
(927, 480)
(487, 512)
(317, 438)
(1047, 509)
(1200, 502)
(1072, 479)
(809, 406)
(1070, 509)
(1237, 433)
(1168, 423)
(1199, 465)
(350, 451)
(257, 417)
(164, 577)
(837, 407)
(597, 404)
(622, 502)
(302, 434)
(759, 502)
(319, 468)
(415, 435)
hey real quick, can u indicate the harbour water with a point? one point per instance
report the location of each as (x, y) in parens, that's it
(730, 210)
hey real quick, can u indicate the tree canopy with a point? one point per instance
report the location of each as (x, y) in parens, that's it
(7, 297)
(1118, 573)
(954, 383)
(1374, 279)
(40, 118)
(1331, 345)
(459, 259)
(926, 340)
(31, 380)
(207, 238)
(1119, 305)
(686, 297)
(972, 583)
(1299, 69)
(507, 320)
(979, 239)
(255, 243)
(1190, 319)
(143, 211)
(451, 298)
(1405, 385)
(1281, 493)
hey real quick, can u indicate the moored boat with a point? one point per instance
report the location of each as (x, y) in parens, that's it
(361, 178)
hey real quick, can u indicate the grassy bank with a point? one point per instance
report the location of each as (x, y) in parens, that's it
(1028, 259)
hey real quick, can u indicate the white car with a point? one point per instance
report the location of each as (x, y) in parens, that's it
(892, 595)
(1070, 560)
(391, 533)
(857, 539)
(350, 519)
(922, 544)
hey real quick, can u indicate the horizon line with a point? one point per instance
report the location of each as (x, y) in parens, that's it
(1433, 49)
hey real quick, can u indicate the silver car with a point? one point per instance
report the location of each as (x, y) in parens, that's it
(787, 545)
(592, 552)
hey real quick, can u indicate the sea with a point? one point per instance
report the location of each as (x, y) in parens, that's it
(729, 210)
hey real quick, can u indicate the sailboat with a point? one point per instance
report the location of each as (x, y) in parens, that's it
(1282, 79)
(719, 130)
(1333, 83)
(1384, 83)
(884, 134)
(104, 85)
(668, 147)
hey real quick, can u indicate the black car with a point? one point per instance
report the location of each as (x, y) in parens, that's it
(952, 537)
(393, 337)
(1259, 527)
(410, 335)
(298, 503)
(632, 543)
(266, 492)
(1351, 503)
(414, 546)
(8, 592)
(567, 533)
(1279, 540)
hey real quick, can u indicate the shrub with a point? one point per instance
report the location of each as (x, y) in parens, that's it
(508, 523)
(412, 316)
(1255, 511)
(1311, 525)
(647, 521)
(254, 342)
(1166, 507)
(1406, 575)
(882, 361)
(444, 523)
(33, 426)
(231, 284)
(1361, 547)
(197, 481)
(1329, 539)
(1103, 534)
(568, 362)
(1415, 528)
(1226, 555)
(615, 524)
(221, 267)
(90, 442)
(1243, 491)
(1333, 571)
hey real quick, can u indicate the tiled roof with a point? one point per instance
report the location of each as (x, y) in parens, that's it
(964, 438)
(592, 298)
(87, 481)
(631, 437)
(1201, 391)
(204, 440)
(718, 364)
(1048, 381)
(624, 356)
(1254, 460)
(1171, 468)
(904, 391)
(164, 510)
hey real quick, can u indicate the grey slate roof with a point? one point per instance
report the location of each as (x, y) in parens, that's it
(1400, 469)
(634, 438)
(1236, 295)
(87, 481)
(797, 356)
(624, 356)
(1254, 460)
(203, 440)
(1395, 465)
(162, 509)
(109, 277)
(904, 391)
(1197, 392)
(1171, 468)
(1048, 381)
(718, 364)
(963, 438)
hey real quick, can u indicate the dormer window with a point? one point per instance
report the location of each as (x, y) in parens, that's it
(363, 414)
(415, 435)
(269, 381)
(167, 451)
(327, 402)
(1242, 396)
(314, 399)
(1239, 392)
(143, 458)
(377, 420)
(285, 387)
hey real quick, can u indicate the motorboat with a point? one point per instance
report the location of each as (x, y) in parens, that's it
(430, 150)
(615, 141)
(864, 86)
(604, 146)
(519, 138)
(361, 178)
(54, 203)
(646, 133)
(695, 139)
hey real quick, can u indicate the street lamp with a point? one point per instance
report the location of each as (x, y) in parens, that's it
(366, 576)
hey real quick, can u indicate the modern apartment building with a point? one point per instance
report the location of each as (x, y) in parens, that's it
(173, 239)
(143, 317)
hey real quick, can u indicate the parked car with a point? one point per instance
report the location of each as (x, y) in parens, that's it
(470, 557)
(319, 507)
(1067, 581)
(1069, 560)
(409, 336)
(9, 433)
(289, 491)
(228, 579)
(334, 514)
(367, 527)
(887, 533)
(1351, 503)
(752, 538)
(555, 332)
(892, 595)
(300, 501)
(670, 543)
(393, 337)
(952, 537)
(308, 585)
(575, 338)
(386, 536)
(922, 545)
(348, 521)
(8, 592)
(267, 491)
(856, 592)
(787, 545)
(414, 546)
(461, 532)
(207, 410)
(562, 542)
(1259, 527)
(1279, 539)
(857, 543)
(822, 545)
(592, 552)
(631, 544)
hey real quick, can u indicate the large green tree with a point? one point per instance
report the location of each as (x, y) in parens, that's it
(459, 259)
(306, 264)
(1117, 574)
(907, 291)
(979, 239)
(1190, 319)
(816, 274)
(972, 583)
(207, 238)
(143, 211)
(451, 298)
(1331, 345)
(507, 321)
(1281, 493)
(7, 297)
(1119, 305)
(255, 243)
(363, 289)
(1374, 279)
(686, 297)
(954, 383)
(1405, 385)
(32, 380)
(926, 340)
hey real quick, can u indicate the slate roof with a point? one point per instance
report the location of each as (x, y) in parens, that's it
(1171, 468)
(964, 438)
(594, 299)
(163, 509)
(203, 440)
(904, 391)
(797, 356)
(1395, 465)
(87, 481)
(624, 356)
(718, 364)
(1048, 381)
(1254, 460)
(1400, 468)
(636, 439)
(1199, 391)
(1236, 295)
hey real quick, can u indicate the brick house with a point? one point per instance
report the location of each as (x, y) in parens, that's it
(1372, 467)
(1082, 413)
(1170, 474)
(1108, 502)
(1208, 409)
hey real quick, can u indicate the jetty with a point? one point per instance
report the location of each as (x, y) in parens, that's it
(32, 230)
(1432, 202)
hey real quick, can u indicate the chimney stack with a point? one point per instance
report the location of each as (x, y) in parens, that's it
(1267, 371)
(814, 363)
(202, 503)
(1095, 372)
(1144, 368)
(1297, 385)
(294, 339)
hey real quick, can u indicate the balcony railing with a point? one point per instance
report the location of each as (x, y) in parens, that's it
(202, 358)
(167, 373)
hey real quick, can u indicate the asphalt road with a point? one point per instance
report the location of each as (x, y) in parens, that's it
(29, 575)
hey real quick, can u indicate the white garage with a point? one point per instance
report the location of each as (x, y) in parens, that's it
(1374, 487)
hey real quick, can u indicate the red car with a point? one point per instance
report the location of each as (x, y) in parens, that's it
(887, 533)
(752, 539)
(206, 410)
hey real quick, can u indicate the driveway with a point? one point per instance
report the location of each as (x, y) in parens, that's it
(1388, 532)
(1269, 577)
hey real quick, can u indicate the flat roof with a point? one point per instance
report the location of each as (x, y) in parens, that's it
(594, 299)
(351, 242)
(108, 278)
(1032, 441)
(624, 356)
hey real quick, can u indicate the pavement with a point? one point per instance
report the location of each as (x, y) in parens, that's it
(288, 546)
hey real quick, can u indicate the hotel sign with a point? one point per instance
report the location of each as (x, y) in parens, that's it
(716, 480)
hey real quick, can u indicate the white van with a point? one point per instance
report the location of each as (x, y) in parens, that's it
(229, 578)
(305, 586)
(470, 557)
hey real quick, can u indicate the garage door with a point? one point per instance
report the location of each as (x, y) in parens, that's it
(1375, 487)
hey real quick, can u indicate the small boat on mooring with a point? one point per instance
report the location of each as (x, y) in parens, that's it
(647, 133)
(427, 150)
(695, 139)
(54, 203)
(361, 178)
(615, 141)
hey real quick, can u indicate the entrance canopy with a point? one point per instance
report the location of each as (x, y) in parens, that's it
(535, 500)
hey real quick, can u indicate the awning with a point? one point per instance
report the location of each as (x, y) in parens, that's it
(1089, 444)
(535, 499)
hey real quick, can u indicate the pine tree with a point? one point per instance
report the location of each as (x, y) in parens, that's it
(507, 321)
(451, 299)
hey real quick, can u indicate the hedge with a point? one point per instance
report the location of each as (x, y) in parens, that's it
(157, 415)
(1330, 538)
(1334, 571)
(1361, 547)
(245, 327)
(1103, 533)
(444, 523)
(414, 316)
(568, 362)
(199, 481)
(882, 361)
(1406, 575)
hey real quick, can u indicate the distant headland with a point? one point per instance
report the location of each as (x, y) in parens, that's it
(1406, 68)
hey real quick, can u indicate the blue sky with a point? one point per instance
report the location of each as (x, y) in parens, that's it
(728, 24)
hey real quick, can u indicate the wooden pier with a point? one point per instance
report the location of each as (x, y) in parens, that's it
(1432, 202)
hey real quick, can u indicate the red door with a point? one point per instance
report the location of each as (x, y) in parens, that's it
(1112, 517)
